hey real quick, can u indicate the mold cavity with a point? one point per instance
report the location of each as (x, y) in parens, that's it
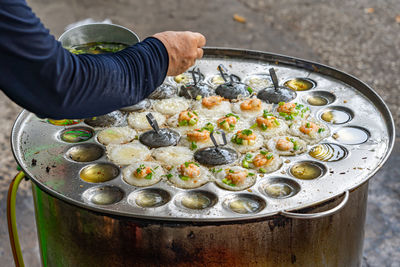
(328, 152)
(320, 98)
(280, 188)
(245, 203)
(197, 200)
(85, 152)
(307, 170)
(99, 173)
(115, 118)
(150, 198)
(76, 134)
(64, 122)
(217, 79)
(351, 135)
(258, 81)
(337, 115)
(103, 195)
(300, 84)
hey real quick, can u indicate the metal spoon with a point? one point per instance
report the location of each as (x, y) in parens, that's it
(276, 93)
(158, 137)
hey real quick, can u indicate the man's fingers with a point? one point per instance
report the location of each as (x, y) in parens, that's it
(201, 40)
(200, 53)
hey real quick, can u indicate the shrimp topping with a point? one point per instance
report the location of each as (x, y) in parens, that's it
(263, 159)
(212, 101)
(187, 118)
(198, 135)
(228, 122)
(284, 145)
(189, 169)
(287, 108)
(245, 137)
(267, 122)
(143, 172)
(253, 104)
(236, 177)
(308, 128)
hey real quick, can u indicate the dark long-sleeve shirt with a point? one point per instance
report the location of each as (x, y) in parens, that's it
(41, 76)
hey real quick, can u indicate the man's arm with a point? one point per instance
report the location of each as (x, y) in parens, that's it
(41, 76)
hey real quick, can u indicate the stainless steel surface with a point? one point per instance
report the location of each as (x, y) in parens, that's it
(33, 138)
(71, 236)
(98, 32)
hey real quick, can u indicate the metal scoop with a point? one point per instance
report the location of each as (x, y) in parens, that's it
(216, 155)
(158, 137)
(277, 93)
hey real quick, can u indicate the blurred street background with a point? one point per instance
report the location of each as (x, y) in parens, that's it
(359, 37)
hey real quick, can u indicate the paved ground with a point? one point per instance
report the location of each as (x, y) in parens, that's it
(360, 37)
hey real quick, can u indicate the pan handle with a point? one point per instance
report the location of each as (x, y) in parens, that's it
(321, 214)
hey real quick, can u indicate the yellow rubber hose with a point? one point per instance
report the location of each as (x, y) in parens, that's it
(11, 220)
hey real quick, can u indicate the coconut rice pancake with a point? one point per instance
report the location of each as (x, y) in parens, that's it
(116, 135)
(246, 140)
(138, 120)
(262, 161)
(234, 178)
(128, 153)
(189, 175)
(290, 112)
(142, 174)
(212, 106)
(171, 106)
(269, 125)
(286, 145)
(251, 107)
(172, 155)
(310, 130)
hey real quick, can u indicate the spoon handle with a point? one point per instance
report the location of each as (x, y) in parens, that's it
(223, 70)
(212, 137)
(153, 123)
(272, 73)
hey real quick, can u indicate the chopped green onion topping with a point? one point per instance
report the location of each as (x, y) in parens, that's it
(262, 170)
(253, 126)
(288, 118)
(193, 146)
(245, 164)
(264, 127)
(195, 113)
(269, 156)
(228, 182)
(184, 178)
(183, 123)
(308, 125)
(247, 132)
(281, 103)
(250, 174)
(169, 175)
(248, 156)
(149, 176)
(263, 152)
(232, 115)
(249, 90)
(320, 130)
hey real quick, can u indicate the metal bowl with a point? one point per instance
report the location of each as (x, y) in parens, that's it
(98, 32)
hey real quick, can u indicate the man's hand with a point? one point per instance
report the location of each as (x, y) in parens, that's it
(183, 49)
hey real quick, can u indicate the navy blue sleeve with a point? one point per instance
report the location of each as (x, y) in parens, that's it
(41, 76)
